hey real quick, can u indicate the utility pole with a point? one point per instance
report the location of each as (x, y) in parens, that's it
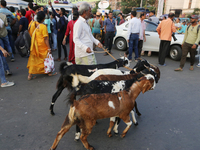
(141, 3)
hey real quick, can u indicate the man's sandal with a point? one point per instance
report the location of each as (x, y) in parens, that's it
(178, 69)
(191, 68)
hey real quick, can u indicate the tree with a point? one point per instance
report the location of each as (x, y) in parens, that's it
(128, 5)
(196, 11)
(94, 10)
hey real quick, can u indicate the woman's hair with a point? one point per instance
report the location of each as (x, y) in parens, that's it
(40, 16)
(75, 15)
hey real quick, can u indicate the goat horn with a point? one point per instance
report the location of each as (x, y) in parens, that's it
(147, 67)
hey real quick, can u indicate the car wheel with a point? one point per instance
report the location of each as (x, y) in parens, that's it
(175, 52)
(121, 44)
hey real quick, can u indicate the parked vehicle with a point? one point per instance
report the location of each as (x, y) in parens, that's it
(152, 40)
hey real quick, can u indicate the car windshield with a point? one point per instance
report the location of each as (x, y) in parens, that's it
(149, 26)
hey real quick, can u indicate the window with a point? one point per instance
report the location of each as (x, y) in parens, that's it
(150, 27)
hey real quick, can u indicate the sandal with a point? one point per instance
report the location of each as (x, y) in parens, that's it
(31, 77)
(178, 69)
(52, 74)
(191, 68)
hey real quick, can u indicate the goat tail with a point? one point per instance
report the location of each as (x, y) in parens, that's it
(71, 97)
(63, 66)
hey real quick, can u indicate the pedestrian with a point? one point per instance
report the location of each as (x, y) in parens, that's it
(11, 21)
(134, 32)
(110, 30)
(97, 24)
(61, 26)
(121, 19)
(36, 9)
(152, 17)
(70, 27)
(4, 82)
(4, 42)
(183, 28)
(47, 22)
(30, 13)
(190, 43)
(198, 50)
(39, 47)
(178, 24)
(143, 36)
(83, 38)
(23, 23)
(54, 33)
(165, 30)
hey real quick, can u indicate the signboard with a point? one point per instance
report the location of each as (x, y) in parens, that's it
(42, 2)
(61, 2)
(103, 4)
(160, 8)
(76, 1)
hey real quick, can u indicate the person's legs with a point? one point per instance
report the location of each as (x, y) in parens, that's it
(111, 41)
(11, 42)
(192, 56)
(59, 42)
(54, 36)
(6, 44)
(164, 46)
(135, 42)
(185, 49)
(2, 74)
(140, 44)
(64, 47)
(106, 40)
(50, 43)
(130, 47)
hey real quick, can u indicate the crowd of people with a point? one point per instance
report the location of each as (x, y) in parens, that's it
(52, 30)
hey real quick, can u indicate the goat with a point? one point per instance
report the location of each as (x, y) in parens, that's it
(112, 84)
(89, 108)
(70, 78)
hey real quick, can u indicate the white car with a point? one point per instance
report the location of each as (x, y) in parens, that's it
(152, 40)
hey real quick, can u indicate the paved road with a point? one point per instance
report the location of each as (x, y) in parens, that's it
(170, 114)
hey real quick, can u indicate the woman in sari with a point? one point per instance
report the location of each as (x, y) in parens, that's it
(39, 47)
(69, 30)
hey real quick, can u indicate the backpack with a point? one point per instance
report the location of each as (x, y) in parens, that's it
(15, 27)
(197, 28)
(23, 42)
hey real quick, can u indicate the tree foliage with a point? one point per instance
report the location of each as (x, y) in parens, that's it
(196, 11)
(128, 5)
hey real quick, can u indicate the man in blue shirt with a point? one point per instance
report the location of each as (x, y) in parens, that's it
(11, 21)
(109, 28)
(183, 28)
(23, 22)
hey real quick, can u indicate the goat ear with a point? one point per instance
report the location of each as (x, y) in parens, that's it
(146, 87)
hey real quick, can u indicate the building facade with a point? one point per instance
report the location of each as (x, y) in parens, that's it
(181, 7)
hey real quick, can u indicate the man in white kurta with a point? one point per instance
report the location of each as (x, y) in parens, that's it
(83, 38)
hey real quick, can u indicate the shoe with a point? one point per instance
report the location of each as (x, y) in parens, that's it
(191, 68)
(65, 58)
(8, 72)
(136, 60)
(198, 65)
(142, 54)
(178, 69)
(31, 77)
(12, 60)
(105, 54)
(7, 84)
(130, 60)
(58, 59)
(162, 65)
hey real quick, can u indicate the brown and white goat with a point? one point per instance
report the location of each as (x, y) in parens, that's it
(89, 108)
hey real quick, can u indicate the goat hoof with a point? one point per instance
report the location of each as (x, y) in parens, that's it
(123, 135)
(109, 135)
(91, 148)
(136, 124)
(116, 134)
(76, 140)
(52, 113)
